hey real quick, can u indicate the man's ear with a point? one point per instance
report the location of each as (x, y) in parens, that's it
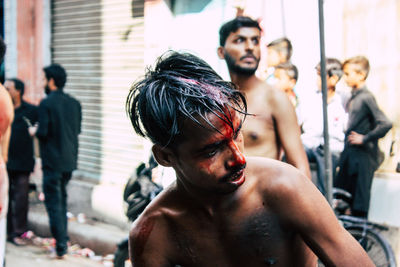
(52, 84)
(221, 52)
(163, 155)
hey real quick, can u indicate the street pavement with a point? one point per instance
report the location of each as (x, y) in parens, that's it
(35, 255)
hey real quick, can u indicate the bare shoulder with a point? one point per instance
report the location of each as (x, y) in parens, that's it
(278, 180)
(273, 94)
(277, 100)
(149, 236)
(4, 95)
(156, 212)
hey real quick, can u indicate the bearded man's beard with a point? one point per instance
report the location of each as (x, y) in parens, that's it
(233, 67)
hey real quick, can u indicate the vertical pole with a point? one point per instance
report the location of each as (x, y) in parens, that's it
(283, 18)
(327, 153)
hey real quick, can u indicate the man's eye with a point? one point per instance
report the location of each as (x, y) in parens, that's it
(211, 153)
(239, 40)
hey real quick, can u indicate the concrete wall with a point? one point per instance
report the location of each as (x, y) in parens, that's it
(27, 27)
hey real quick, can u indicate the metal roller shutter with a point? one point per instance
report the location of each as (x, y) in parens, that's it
(101, 45)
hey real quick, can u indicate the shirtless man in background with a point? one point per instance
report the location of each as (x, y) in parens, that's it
(224, 209)
(272, 125)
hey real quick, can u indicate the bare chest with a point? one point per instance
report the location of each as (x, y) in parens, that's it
(259, 132)
(243, 238)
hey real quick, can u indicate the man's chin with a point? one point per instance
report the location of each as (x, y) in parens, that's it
(245, 70)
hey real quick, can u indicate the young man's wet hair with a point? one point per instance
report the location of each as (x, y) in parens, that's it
(362, 62)
(180, 87)
(282, 46)
(19, 85)
(333, 67)
(234, 25)
(290, 70)
(58, 74)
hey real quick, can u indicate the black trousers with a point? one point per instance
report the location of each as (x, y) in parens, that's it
(357, 169)
(17, 217)
(54, 189)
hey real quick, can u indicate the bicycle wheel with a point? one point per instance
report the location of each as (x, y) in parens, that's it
(375, 245)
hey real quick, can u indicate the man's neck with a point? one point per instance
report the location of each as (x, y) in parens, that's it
(245, 82)
(208, 202)
(331, 94)
(359, 86)
(17, 103)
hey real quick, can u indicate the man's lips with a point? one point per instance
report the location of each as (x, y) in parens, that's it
(249, 58)
(235, 176)
(239, 178)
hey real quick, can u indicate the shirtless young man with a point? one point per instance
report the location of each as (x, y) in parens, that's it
(272, 124)
(224, 209)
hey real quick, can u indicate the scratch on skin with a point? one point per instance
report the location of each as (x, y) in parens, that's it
(142, 237)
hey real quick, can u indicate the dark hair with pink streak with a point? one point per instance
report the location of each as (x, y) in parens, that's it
(181, 86)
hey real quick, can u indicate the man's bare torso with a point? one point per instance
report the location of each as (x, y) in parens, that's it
(259, 130)
(242, 231)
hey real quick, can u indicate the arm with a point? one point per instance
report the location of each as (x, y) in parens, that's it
(148, 243)
(6, 111)
(289, 132)
(5, 141)
(6, 118)
(310, 215)
(43, 118)
(382, 123)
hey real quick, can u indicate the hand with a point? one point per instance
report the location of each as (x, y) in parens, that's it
(33, 129)
(355, 138)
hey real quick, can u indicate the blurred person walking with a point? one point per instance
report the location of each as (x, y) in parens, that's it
(6, 117)
(21, 161)
(60, 118)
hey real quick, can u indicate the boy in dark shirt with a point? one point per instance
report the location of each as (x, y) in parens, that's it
(367, 123)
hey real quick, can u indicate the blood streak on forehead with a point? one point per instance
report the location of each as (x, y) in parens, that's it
(235, 120)
(211, 91)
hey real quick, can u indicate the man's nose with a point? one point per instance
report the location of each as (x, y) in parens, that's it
(237, 158)
(249, 45)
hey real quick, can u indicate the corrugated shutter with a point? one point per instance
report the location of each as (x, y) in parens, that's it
(101, 45)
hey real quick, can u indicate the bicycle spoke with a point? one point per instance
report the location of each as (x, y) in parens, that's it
(371, 242)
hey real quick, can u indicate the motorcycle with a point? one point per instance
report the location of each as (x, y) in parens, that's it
(139, 191)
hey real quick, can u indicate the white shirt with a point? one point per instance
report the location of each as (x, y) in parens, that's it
(313, 124)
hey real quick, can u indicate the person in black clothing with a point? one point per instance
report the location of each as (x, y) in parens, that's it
(367, 123)
(60, 118)
(20, 161)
